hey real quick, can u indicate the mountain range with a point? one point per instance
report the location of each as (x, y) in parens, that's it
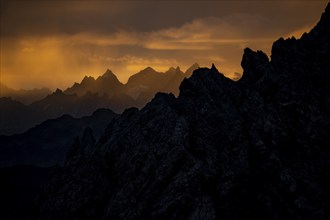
(140, 87)
(257, 148)
(27, 160)
(83, 98)
(46, 144)
(24, 96)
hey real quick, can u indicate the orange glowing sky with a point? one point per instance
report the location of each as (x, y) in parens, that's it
(56, 43)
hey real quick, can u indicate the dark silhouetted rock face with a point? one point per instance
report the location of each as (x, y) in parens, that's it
(257, 148)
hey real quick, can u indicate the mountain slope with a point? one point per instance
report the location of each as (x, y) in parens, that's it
(18, 118)
(143, 85)
(257, 148)
(84, 98)
(191, 69)
(15, 116)
(59, 103)
(47, 144)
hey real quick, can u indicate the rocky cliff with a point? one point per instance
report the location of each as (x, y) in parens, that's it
(256, 148)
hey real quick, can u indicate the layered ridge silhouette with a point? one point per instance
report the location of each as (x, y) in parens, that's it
(256, 148)
(83, 98)
(24, 96)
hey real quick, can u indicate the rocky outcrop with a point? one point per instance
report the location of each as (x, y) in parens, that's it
(256, 148)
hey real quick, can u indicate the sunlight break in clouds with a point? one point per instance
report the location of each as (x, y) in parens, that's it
(57, 43)
(91, 54)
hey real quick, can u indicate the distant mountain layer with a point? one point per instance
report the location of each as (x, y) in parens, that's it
(84, 98)
(105, 84)
(258, 148)
(47, 144)
(24, 96)
(16, 117)
(141, 87)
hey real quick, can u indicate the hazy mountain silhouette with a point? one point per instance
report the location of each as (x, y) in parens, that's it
(82, 99)
(106, 84)
(140, 88)
(59, 103)
(175, 77)
(143, 85)
(27, 160)
(142, 82)
(257, 148)
(47, 143)
(191, 69)
(22, 95)
(15, 116)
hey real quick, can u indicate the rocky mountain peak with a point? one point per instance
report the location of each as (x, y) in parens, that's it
(173, 70)
(144, 74)
(214, 69)
(256, 148)
(148, 69)
(109, 77)
(253, 64)
(87, 80)
(58, 92)
(108, 73)
(191, 69)
(324, 21)
(311, 53)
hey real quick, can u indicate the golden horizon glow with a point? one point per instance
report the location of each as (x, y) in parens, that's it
(61, 54)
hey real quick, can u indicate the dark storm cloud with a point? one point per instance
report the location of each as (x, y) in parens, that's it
(70, 17)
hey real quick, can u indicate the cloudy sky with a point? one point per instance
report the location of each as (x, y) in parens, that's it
(55, 43)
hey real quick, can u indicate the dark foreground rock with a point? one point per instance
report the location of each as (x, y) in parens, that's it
(19, 188)
(258, 148)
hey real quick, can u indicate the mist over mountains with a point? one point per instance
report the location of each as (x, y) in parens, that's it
(256, 148)
(24, 96)
(83, 98)
(52, 124)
